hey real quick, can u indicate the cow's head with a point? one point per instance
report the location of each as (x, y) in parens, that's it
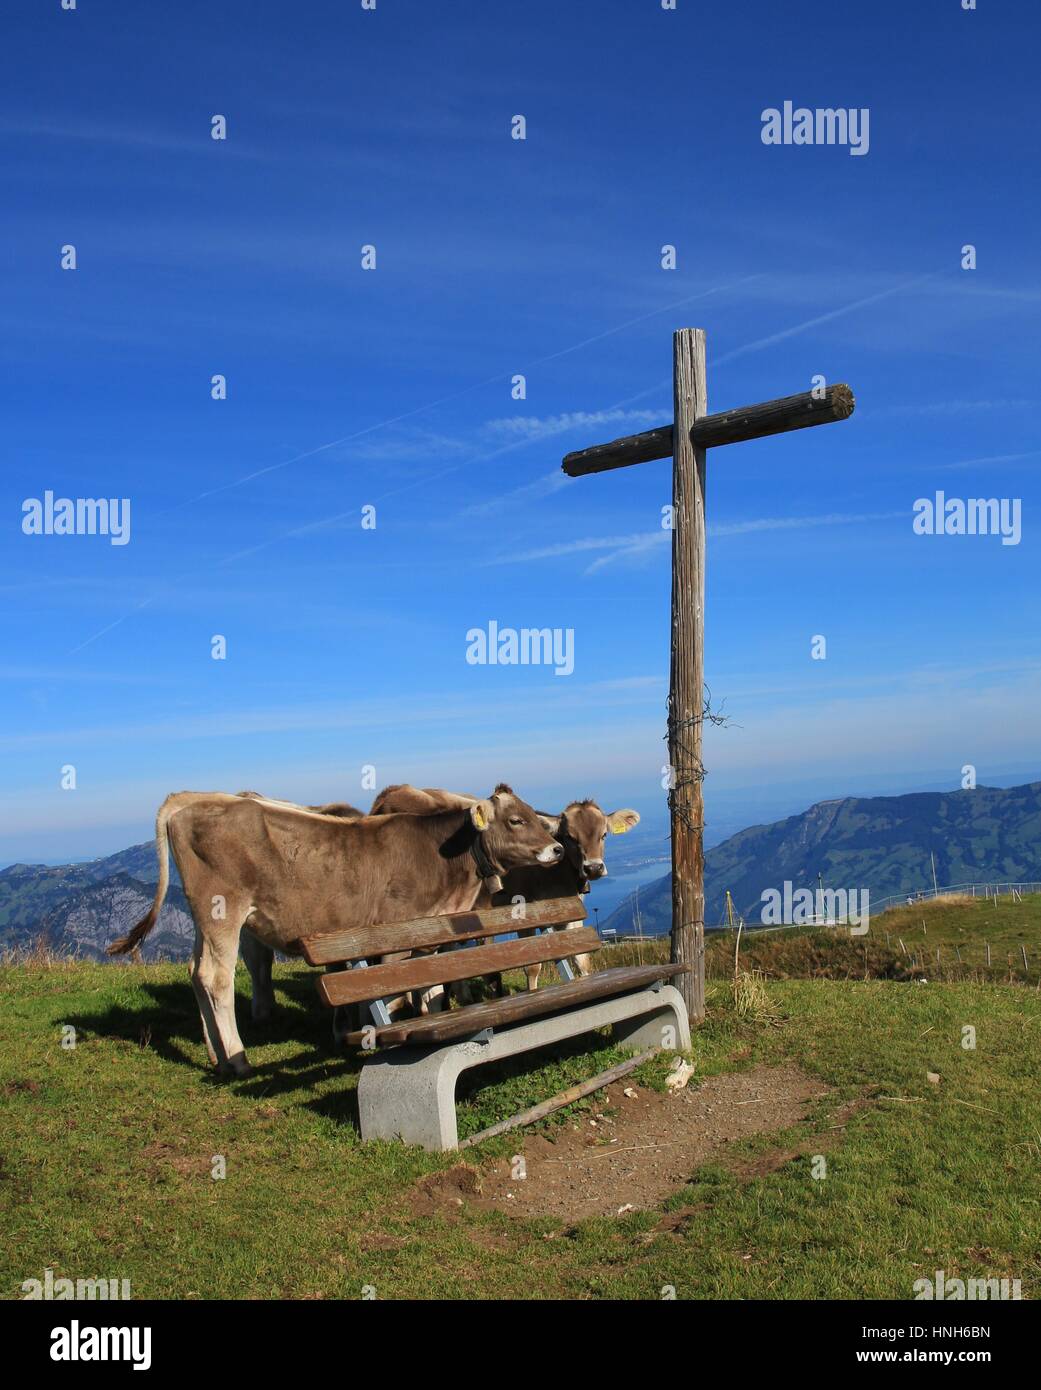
(582, 828)
(512, 834)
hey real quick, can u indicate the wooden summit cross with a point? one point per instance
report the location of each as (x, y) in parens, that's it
(686, 439)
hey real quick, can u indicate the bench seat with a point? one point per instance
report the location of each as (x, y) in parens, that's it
(498, 1013)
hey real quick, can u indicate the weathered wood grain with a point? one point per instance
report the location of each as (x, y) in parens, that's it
(730, 427)
(443, 967)
(360, 943)
(497, 1013)
(687, 670)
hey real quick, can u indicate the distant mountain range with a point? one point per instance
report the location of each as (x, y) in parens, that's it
(82, 907)
(881, 843)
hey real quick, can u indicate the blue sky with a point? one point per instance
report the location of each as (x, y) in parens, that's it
(392, 388)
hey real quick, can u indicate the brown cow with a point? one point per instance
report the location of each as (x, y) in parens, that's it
(581, 830)
(283, 871)
(331, 808)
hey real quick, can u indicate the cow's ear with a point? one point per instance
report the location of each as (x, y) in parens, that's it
(618, 822)
(482, 813)
(549, 823)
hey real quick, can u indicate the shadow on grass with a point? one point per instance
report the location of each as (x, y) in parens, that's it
(317, 1076)
(169, 1025)
(172, 1017)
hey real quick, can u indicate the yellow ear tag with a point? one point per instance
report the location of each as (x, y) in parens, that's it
(617, 827)
(479, 819)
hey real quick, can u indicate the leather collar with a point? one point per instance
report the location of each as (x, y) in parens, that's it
(486, 870)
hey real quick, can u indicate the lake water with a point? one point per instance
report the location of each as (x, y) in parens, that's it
(607, 893)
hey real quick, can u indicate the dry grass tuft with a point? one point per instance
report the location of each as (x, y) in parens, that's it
(39, 954)
(750, 998)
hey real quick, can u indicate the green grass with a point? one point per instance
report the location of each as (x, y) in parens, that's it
(969, 924)
(107, 1149)
(901, 944)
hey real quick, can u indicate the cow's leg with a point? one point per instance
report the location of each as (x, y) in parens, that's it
(347, 1018)
(531, 971)
(213, 979)
(209, 1027)
(259, 960)
(398, 1005)
(583, 964)
(432, 1000)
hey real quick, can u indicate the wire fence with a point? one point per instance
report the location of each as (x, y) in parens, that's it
(969, 890)
(987, 891)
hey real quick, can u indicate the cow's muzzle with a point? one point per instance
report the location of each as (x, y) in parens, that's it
(552, 854)
(594, 868)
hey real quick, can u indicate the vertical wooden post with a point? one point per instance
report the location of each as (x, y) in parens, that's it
(687, 672)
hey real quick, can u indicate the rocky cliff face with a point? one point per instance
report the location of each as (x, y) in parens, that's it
(83, 907)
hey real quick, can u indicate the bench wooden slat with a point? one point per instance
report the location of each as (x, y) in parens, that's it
(359, 943)
(462, 1023)
(380, 981)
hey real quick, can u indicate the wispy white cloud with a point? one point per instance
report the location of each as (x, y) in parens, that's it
(959, 407)
(572, 547)
(819, 319)
(795, 523)
(645, 546)
(642, 544)
(534, 491)
(132, 136)
(987, 458)
(536, 427)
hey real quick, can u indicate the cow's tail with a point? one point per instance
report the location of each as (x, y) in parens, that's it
(126, 944)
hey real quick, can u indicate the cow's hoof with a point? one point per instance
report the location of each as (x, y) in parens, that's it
(237, 1067)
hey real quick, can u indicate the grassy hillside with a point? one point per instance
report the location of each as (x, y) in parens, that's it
(107, 1151)
(945, 939)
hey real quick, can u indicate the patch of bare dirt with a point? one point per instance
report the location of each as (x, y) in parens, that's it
(162, 1157)
(12, 1088)
(635, 1150)
(448, 1192)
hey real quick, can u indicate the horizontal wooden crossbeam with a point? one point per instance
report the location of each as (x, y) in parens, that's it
(360, 943)
(444, 967)
(497, 1013)
(730, 427)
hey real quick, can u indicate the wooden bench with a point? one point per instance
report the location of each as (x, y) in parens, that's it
(407, 1087)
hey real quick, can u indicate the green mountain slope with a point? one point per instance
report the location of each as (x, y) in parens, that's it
(879, 843)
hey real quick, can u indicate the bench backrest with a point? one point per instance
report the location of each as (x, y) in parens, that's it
(445, 967)
(421, 933)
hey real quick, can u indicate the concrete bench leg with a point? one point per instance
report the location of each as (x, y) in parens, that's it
(409, 1092)
(667, 1027)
